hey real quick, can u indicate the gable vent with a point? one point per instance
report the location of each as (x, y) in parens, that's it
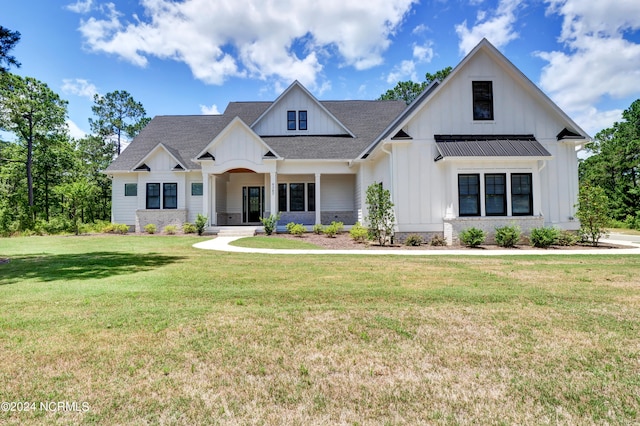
(142, 168)
(178, 167)
(401, 135)
(207, 156)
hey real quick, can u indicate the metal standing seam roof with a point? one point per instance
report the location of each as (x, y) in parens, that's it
(489, 146)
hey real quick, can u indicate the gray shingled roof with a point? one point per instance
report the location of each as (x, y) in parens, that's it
(186, 136)
(489, 146)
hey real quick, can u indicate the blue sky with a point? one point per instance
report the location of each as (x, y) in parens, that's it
(195, 56)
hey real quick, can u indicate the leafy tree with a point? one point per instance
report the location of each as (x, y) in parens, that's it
(8, 40)
(117, 116)
(35, 114)
(92, 157)
(408, 91)
(381, 217)
(77, 198)
(614, 164)
(405, 91)
(593, 212)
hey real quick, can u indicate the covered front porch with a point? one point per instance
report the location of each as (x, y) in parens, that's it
(241, 196)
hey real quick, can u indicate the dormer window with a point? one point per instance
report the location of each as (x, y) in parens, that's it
(296, 120)
(291, 120)
(483, 100)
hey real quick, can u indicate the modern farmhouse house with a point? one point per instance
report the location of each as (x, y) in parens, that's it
(484, 148)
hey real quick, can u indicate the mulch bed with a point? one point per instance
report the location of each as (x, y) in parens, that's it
(345, 242)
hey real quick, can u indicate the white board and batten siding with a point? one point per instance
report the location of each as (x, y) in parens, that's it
(319, 122)
(427, 189)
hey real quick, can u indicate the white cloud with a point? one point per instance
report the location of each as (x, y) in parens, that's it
(407, 69)
(75, 131)
(80, 6)
(597, 61)
(209, 110)
(497, 27)
(78, 87)
(283, 40)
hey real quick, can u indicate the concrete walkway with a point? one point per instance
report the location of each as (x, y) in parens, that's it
(222, 244)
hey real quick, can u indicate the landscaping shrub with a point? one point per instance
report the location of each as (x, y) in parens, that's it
(317, 229)
(543, 237)
(413, 240)
(567, 238)
(120, 228)
(334, 229)
(593, 212)
(472, 237)
(150, 228)
(189, 228)
(201, 222)
(508, 236)
(270, 223)
(358, 233)
(296, 229)
(170, 229)
(438, 241)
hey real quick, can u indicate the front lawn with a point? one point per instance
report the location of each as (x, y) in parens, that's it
(147, 329)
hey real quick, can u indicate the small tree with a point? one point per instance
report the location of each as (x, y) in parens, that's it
(381, 218)
(593, 212)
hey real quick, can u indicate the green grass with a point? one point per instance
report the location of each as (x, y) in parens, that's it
(146, 329)
(274, 243)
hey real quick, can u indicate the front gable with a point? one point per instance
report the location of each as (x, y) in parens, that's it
(298, 113)
(161, 159)
(237, 146)
(517, 105)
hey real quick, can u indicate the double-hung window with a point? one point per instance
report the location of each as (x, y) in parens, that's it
(495, 194)
(291, 120)
(469, 194)
(521, 194)
(168, 196)
(296, 120)
(153, 196)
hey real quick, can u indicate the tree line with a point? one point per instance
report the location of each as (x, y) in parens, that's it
(49, 181)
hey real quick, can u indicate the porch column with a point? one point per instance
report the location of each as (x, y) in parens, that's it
(213, 220)
(273, 198)
(205, 195)
(318, 206)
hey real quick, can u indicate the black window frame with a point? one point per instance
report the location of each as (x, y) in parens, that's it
(311, 197)
(302, 122)
(297, 197)
(197, 189)
(128, 191)
(153, 196)
(467, 194)
(495, 194)
(169, 195)
(483, 100)
(517, 193)
(282, 197)
(291, 120)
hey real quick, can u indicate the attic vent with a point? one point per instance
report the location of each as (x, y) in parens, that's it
(142, 168)
(178, 167)
(207, 156)
(270, 154)
(401, 135)
(567, 134)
